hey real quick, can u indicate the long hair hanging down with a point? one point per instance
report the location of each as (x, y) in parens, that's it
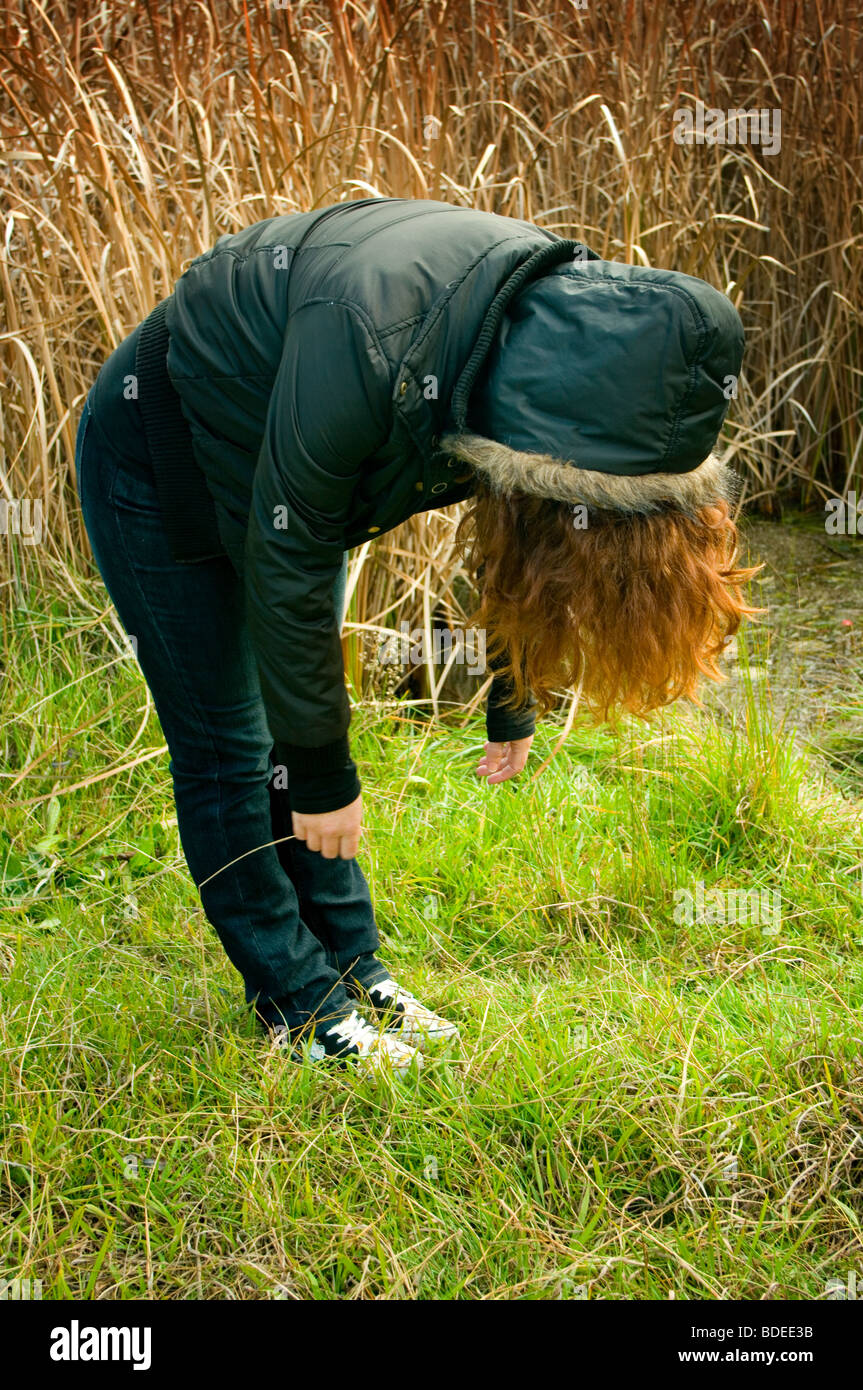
(638, 607)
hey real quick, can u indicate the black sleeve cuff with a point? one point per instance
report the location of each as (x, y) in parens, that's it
(504, 724)
(327, 757)
(316, 793)
(319, 779)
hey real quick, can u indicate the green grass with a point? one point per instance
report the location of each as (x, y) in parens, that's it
(641, 1109)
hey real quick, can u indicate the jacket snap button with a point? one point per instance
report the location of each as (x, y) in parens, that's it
(452, 463)
(403, 388)
(439, 487)
(374, 528)
(418, 486)
(435, 440)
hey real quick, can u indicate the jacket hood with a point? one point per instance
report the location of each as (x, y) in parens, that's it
(607, 384)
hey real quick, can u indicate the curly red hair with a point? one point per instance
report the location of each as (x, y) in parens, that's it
(638, 607)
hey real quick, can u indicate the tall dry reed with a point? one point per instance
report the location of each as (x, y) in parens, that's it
(134, 134)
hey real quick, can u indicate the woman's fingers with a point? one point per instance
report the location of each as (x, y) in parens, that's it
(338, 846)
(332, 846)
(332, 834)
(491, 759)
(500, 761)
(517, 755)
(503, 771)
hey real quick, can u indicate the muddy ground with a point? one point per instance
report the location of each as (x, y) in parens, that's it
(809, 644)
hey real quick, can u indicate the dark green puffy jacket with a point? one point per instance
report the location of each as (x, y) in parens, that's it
(321, 357)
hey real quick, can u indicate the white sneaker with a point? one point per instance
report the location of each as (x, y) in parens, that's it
(408, 1018)
(353, 1039)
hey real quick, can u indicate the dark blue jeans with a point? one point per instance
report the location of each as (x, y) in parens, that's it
(290, 921)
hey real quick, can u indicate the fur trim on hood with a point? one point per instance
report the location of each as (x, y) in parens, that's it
(540, 475)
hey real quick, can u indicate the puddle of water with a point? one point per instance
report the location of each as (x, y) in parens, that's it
(808, 646)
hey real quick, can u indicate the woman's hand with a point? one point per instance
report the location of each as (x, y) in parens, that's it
(500, 761)
(334, 834)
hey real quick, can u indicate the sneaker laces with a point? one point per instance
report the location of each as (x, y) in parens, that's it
(390, 989)
(355, 1031)
(413, 1009)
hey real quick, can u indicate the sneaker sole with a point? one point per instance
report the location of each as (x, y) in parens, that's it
(367, 1066)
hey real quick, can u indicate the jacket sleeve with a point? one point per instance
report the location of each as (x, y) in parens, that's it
(328, 411)
(505, 725)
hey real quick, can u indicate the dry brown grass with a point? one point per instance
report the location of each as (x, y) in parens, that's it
(134, 134)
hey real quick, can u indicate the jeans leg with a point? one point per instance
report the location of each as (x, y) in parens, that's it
(333, 894)
(196, 656)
